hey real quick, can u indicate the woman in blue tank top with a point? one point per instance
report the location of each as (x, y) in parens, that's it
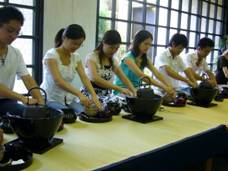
(136, 60)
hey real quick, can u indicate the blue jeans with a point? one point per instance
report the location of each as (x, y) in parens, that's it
(186, 90)
(11, 106)
(77, 107)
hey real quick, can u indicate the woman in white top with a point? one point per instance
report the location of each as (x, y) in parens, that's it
(101, 67)
(60, 65)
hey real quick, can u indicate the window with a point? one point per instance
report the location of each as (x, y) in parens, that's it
(194, 18)
(31, 39)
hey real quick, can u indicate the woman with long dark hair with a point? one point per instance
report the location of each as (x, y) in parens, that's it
(60, 65)
(101, 67)
(136, 60)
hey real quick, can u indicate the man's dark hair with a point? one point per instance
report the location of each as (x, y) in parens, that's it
(205, 42)
(9, 13)
(179, 39)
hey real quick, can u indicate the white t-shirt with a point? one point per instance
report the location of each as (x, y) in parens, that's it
(54, 92)
(190, 60)
(165, 58)
(14, 66)
(105, 72)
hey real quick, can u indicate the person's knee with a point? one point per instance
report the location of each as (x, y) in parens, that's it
(14, 109)
(77, 107)
(56, 105)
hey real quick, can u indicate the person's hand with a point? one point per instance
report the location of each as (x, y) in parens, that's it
(84, 100)
(191, 84)
(170, 91)
(125, 91)
(134, 92)
(212, 82)
(40, 101)
(226, 75)
(28, 101)
(97, 103)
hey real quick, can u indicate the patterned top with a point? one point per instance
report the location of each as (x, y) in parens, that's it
(105, 72)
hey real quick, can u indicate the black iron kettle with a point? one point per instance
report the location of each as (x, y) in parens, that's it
(146, 103)
(69, 115)
(37, 110)
(145, 91)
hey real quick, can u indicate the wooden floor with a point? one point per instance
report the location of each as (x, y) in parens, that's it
(89, 146)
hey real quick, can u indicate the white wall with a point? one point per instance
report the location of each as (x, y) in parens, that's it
(60, 13)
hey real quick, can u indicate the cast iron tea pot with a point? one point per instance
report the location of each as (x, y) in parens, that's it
(38, 123)
(146, 103)
(203, 94)
(145, 91)
(69, 115)
(205, 85)
(37, 110)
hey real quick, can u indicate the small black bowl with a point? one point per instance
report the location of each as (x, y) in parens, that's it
(203, 97)
(144, 106)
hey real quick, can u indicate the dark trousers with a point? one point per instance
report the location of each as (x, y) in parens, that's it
(11, 106)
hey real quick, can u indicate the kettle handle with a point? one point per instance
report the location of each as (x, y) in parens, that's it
(141, 80)
(45, 94)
